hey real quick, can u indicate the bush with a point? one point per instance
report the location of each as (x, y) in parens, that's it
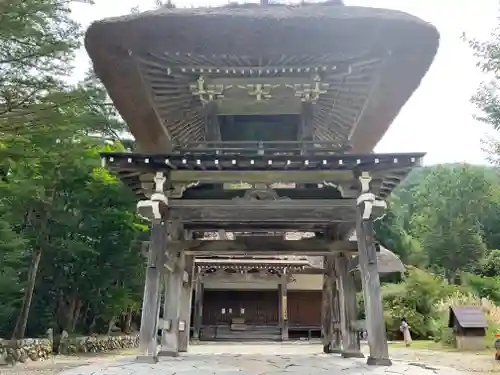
(483, 286)
(491, 332)
(415, 299)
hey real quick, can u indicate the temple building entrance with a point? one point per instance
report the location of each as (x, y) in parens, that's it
(257, 299)
(241, 307)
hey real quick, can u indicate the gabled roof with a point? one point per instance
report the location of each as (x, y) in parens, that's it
(468, 317)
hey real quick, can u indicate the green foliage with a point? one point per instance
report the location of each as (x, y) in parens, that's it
(415, 299)
(490, 264)
(69, 235)
(483, 286)
(491, 332)
(443, 217)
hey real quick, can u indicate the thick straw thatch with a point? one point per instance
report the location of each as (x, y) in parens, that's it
(405, 44)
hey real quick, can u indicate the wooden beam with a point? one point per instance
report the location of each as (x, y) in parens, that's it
(257, 227)
(239, 278)
(269, 211)
(263, 177)
(267, 246)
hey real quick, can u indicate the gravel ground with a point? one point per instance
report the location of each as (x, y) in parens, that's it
(466, 362)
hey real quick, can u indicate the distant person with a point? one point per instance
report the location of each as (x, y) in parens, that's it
(405, 328)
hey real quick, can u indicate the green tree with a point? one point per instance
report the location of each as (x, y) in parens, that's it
(449, 206)
(444, 216)
(38, 39)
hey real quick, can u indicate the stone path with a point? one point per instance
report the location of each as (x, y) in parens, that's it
(257, 360)
(228, 364)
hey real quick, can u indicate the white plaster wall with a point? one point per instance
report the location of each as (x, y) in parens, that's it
(306, 282)
(302, 282)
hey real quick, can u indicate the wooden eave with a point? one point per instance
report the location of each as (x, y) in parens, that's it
(138, 58)
(246, 264)
(136, 170)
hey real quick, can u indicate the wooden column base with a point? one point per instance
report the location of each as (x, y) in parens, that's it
(146, 359)
(378, 361)
(284, 334)
(355, 354)
(168, 353)
(329, 349)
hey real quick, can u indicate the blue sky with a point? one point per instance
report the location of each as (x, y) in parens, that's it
(438, 119)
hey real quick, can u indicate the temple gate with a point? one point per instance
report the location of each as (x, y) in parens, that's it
(293, 96)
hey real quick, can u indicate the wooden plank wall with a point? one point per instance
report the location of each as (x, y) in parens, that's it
(261, 306)
(304, 308)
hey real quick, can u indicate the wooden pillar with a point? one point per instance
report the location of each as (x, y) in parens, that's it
(198, 305)
(283, 306)
(336, 345)
(151, 298)
(185, 314)
(377, 338)
(171, 310)
(348, 308)
(331, 338)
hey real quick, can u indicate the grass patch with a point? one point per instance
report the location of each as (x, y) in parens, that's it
(436, 346)
(422, 344)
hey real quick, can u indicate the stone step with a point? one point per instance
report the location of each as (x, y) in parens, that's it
(251, 333)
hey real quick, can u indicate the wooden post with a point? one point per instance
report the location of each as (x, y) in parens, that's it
(185, 314)
(283, 306)
(336, 345)
(198, 304)
(348, 308)
(151, 299)
(331, 342)
(326, 318)
(170, 331)
(377, 339)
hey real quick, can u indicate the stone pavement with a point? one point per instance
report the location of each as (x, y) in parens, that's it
(257, 360)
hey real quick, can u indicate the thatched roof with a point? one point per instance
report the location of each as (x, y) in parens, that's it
(389, 53)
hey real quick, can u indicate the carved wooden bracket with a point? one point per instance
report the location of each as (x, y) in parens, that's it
(207, 92)
(261, 195)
